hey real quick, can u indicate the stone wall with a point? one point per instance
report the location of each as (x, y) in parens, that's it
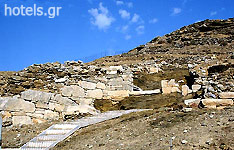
(73, 94)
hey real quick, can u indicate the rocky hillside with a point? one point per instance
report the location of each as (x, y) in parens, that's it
(207, 37)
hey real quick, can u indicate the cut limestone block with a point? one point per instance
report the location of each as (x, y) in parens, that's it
(226, 95)
(217, 102)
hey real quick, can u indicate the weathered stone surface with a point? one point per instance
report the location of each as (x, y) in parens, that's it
(63, 100)
(217, 102)
(166, 90)
(77, 91)
(15, 104)
(3, 101)
(67, 91)
(87, 109)
(175, 89)
(56, 107)
(35, 121)
(96, 94)
(172, 83)
(196, 87)
(51, 115)
(157, 91)
(226, 95)
(192, 102)
(185, 90)
(35, 96)
(164, 83)
(86, 101)
(20, 120)
(101, 86)
(87, 85)
(61, 80)
(42, 105)
(72, 109)
(117, 94)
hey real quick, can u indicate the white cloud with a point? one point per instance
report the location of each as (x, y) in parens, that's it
(135, 18)
(127, 37)
(176, 11)
(119, 2)
(213, 13)
(140, 29)
(124, 14)
(155, 20)
(130, 4)
(101, 17)
(125, 28)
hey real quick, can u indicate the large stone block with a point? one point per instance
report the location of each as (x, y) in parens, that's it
(63, 100)
(36, 96)
(87, 109)
(217, 102)
(77, 91)
(175, 89)
(172, 83)
(96, 94)
(164, 83)
(185, 90)
(192, 102)
(101, 86)
(21, 120)
(166, 90)
(15, 104)
(56, 107)
(51, 115)
(117, 94)
(3, 101)
(226, 95)
(72, 109)
(87, 85)
(67, 91)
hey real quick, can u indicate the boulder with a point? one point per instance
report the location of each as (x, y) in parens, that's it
(21, 120)
(96, 94)
(226, 95)
(14, 104)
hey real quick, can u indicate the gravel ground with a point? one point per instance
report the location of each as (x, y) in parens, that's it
(199, 129)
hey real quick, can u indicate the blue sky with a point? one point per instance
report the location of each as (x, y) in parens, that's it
(87, 29)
